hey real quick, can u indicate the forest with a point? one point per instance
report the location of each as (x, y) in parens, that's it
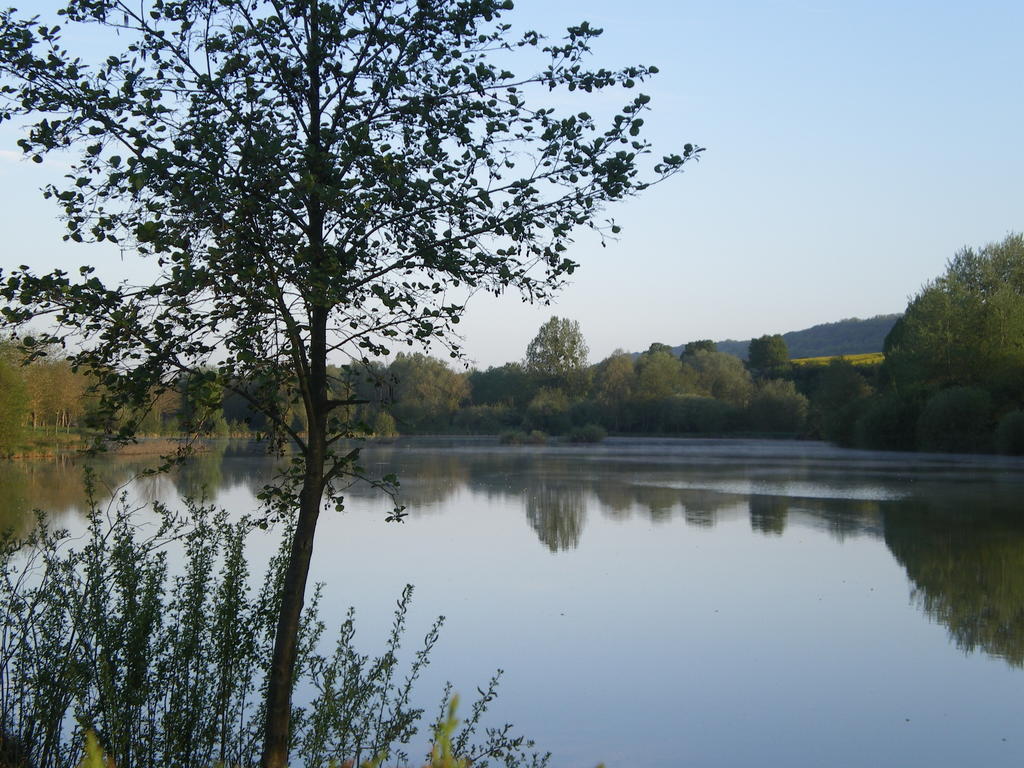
(952, 379)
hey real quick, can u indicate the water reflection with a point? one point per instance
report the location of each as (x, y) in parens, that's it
(966, 565)
(768, 514)
(556, 513)
(953, 526)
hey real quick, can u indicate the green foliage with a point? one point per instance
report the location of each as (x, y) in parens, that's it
(965, 328)
(838, 389)
(887, 422)
(840, 383)
(426, 393)
(722, 376)
(615, 378)
(306, 179)
(484, 419)
(557, 356)
(660, 374)
(956, 420)
(13, 407)
(509, 384)
(768, 355)
(519, 437)
(442, 752)
(701, 345)
(685, 414)
(656, 347)
(1009, 437)
(548, 411)
(384, 425)
(776, 406)
(167, 668)
(589, 433)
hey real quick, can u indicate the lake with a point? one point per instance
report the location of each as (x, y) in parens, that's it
(676, 602)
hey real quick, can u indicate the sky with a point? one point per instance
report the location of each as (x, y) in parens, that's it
(851, 150)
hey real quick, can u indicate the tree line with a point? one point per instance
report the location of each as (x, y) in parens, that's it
(952, 379)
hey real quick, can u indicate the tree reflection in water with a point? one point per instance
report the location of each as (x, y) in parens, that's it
(768, 514)
(959, 538)
(966, 566)
(557, 514)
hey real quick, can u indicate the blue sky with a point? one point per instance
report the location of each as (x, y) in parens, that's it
(852, 148)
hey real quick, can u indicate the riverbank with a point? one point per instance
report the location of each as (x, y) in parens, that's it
(50, 445)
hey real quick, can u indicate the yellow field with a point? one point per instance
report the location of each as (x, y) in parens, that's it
(869, 358)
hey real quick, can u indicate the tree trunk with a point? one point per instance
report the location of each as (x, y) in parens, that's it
(282, 668)
(313, 383)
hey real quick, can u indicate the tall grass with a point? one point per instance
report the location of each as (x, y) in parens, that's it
(169, 668)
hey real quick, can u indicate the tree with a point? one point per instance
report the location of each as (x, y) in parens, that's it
(307, 179)
(557, 355)
(721, 375)
(13, 404)
(768, 355)
(509, 384)
(966, 327)
(659, 374)
(776, 406)
(426, 392)
(616, 378)
(957, 419)
(692, 347)
(838, 394)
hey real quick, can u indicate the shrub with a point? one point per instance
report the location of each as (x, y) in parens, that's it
(776, 406)
(513, 437)
(693, 413)
(168, 669)
(590, 433)
(584, 412)
(384, 425)
(536, 437)
(484, 419)
(886, 423)
(840, 425)
(548, 411)
(519, 437)
(956, 420)
(1009, 437)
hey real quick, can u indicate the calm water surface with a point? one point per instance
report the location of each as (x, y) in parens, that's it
(678, 602)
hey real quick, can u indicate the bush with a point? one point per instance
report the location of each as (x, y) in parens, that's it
(536, 437)
(519, 437)
(548, 411)
(1009, 437)
(484, 419)
(840, 426)
(956, 420)
(777, 407)
(384, 425)
(583, 412)
(886, 423)
(590, 433)
(512, 437)
(168, 669)
(693, 413)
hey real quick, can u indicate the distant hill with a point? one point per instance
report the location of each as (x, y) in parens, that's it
(846, 337)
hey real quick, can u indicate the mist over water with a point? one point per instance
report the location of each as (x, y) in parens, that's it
(674, 602)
